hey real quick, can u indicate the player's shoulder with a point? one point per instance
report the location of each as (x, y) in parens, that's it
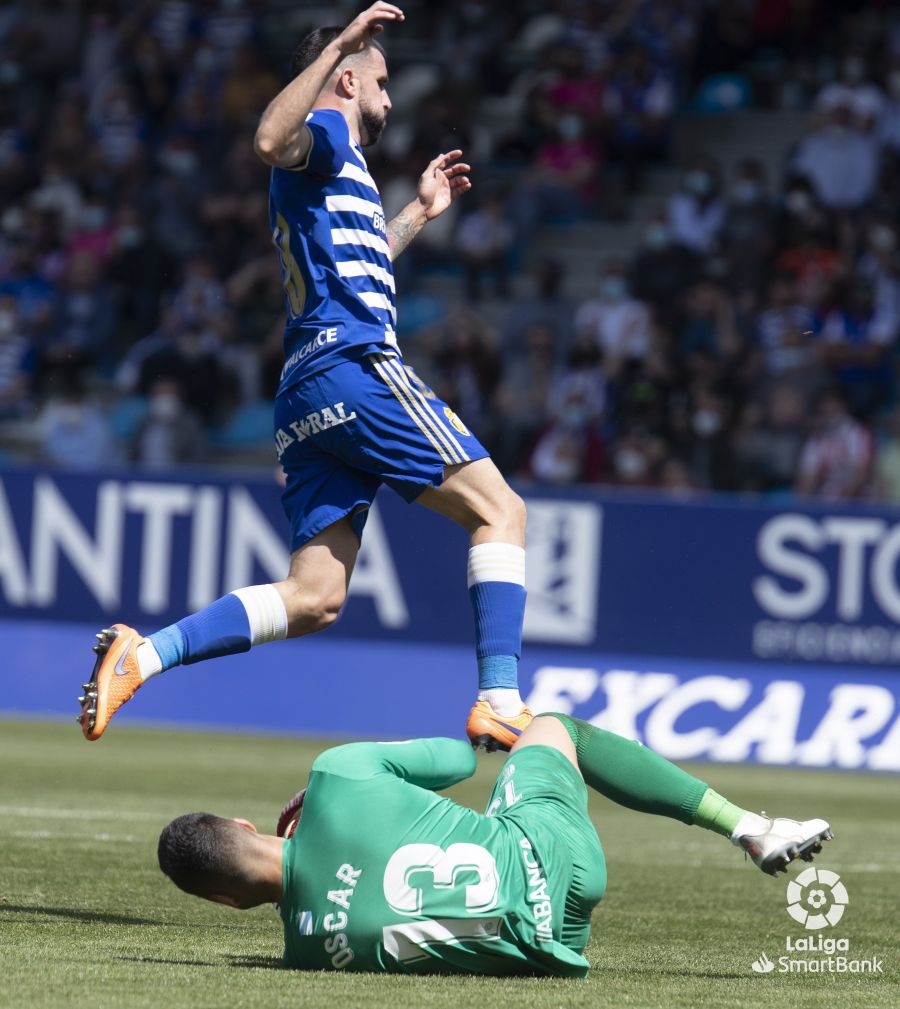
(331, 122)
(351, 760)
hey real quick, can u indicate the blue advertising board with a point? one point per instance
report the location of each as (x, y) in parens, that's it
(340, 687)
(735, 630)
(721, 579)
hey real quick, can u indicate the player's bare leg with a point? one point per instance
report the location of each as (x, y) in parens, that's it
(548, 732)
(476, 496)
(308, 600)
(315, 589)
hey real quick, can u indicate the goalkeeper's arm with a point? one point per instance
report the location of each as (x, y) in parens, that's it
(429, 763)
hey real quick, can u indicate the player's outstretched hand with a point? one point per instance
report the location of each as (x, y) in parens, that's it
(444, 180)
(366, 25)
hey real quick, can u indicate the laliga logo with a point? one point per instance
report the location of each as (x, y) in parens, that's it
(817, 898)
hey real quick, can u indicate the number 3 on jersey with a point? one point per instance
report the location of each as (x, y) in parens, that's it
(409, 942)
(291, 278)
(444, 868)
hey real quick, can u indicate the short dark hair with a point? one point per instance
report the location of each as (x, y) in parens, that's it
(200, 853)
(312, 47)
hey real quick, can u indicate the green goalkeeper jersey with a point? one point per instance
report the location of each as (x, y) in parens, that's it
(384, 875)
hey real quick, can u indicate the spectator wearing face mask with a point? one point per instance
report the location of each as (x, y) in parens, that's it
(617, 323)
(190, 357)
(571, 448)
(74, 432)
(636, 458)
(709, 444)
(837, 458)
(748, 230)
(838, 158)
(170, 433)
(697, 212)
(663, 269)
(137, 253)
(562, 184)
(855, 78)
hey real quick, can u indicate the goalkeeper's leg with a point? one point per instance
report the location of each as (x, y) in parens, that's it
(632, 775)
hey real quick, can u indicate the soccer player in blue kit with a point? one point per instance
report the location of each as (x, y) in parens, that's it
(349, 415)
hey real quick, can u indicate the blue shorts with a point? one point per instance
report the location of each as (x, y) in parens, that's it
(342, 433)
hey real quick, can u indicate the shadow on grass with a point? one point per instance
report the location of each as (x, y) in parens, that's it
(169, 961)
(265, 962)
(78, 914)
(231, 960)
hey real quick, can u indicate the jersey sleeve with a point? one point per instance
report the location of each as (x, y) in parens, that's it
(429, 763)
(328, 129)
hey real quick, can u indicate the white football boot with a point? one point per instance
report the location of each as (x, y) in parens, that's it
(774, 843)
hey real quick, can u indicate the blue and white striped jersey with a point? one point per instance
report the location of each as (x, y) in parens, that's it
(329, 230)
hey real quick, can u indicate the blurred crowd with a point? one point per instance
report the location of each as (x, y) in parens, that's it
(747, 342)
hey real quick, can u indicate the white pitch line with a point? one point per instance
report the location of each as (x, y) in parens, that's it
(46, 835)
(61, 813)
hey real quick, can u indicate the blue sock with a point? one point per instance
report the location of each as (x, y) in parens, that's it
(499, 609)
(223, 628)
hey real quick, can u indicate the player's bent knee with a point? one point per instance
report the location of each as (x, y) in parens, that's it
(309, 613)
(548, 730)
(509, 516)
(518, 512)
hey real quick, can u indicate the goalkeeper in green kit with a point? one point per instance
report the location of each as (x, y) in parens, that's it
(380, 874)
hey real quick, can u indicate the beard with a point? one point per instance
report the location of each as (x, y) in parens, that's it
(372, 126)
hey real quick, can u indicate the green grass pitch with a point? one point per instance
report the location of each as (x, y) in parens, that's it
(87, 919)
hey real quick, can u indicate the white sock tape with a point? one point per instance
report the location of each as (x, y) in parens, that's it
(265, 612)
(496, 562)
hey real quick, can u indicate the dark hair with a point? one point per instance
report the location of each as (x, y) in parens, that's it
(312, 47)
(200, 852)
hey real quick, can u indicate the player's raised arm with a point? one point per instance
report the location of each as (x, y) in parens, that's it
(444, 180)
(282, 138)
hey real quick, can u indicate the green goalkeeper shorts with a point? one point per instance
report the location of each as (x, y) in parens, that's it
(544, 795)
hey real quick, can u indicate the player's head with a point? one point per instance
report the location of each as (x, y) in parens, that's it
(219, 859)
(358, 84)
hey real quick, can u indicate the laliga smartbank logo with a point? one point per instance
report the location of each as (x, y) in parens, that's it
(817, 899)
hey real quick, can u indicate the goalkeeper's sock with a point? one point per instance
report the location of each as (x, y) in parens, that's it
(232, 624)
(496, 579)
(716, 813)
(628, 773)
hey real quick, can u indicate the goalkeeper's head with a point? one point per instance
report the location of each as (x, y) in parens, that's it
(222, 860)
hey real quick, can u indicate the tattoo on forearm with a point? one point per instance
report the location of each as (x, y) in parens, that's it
(402, 230)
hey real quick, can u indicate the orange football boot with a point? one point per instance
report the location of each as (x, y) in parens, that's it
(489, 731)
(115, 679)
